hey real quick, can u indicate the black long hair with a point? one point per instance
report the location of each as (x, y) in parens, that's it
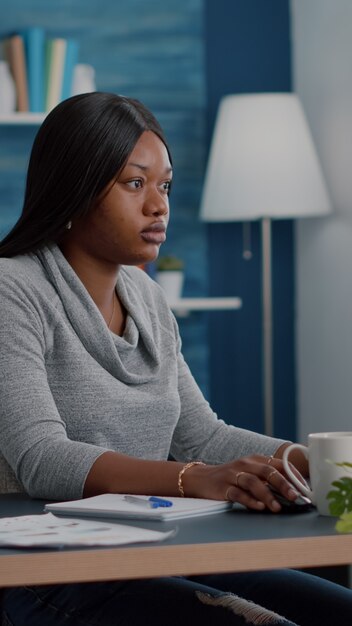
(81, 146)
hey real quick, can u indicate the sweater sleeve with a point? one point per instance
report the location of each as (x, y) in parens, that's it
(33, 436)
(199, 433)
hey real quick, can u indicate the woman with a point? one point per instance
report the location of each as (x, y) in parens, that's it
(96, 396)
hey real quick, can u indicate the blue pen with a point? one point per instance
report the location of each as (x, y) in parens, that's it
(153, 502)
(160, 501)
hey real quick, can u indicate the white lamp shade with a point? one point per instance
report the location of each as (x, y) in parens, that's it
(262, 162)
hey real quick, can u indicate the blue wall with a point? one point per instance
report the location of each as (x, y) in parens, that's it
(248, 50)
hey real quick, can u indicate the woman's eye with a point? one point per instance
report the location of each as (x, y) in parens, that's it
(166, 185)
(135, 184)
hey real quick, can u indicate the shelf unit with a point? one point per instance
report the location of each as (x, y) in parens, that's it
(183, 306)
(22, 119)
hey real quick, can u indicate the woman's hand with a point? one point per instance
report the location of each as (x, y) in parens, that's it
(245, 480)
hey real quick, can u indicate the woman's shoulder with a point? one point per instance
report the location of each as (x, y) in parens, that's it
(22, 272)
(17, 268)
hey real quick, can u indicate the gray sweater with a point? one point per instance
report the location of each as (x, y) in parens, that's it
(71, 390)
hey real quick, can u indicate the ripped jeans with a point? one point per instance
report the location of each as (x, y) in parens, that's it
(279, 597)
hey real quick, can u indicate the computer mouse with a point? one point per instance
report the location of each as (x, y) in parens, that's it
(300, 505)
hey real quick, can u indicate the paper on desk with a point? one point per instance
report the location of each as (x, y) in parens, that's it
(47, 530)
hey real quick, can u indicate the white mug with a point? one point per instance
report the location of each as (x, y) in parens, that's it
(326, 453)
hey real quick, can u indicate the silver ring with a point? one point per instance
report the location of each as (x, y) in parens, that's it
(236, 479)
(270, 459)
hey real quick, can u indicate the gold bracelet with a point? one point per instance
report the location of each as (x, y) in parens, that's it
(180, 476)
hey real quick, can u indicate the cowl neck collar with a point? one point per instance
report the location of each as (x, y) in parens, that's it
(133, 358)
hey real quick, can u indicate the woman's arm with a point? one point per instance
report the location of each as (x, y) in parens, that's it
(33, 437)
(113, 472)
(244, 480)
(200, 434)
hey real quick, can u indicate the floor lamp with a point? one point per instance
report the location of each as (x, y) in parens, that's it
(263, 165)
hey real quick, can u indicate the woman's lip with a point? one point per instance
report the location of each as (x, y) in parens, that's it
(155, 227)
(154, 233)
(154, 236)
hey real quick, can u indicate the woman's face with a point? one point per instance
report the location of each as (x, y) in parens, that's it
(128, 224)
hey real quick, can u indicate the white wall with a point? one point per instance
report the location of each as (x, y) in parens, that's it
(322, 68)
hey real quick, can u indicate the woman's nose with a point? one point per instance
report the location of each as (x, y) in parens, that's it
(156, 203)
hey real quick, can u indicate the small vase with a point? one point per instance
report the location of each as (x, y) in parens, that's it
(172, 283)
(7, 90)
(83, 79)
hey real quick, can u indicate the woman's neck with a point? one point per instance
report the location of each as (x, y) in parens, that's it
(99, 278)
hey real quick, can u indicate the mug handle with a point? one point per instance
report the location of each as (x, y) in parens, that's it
(300, 486)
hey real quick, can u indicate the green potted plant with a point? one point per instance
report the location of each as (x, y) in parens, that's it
(170, 276)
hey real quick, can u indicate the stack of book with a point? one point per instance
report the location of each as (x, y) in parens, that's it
(42, 68)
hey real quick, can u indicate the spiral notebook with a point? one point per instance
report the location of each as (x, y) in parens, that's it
(115, 506)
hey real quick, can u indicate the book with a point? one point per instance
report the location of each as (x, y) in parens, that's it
(71, 60)
(115, 506)
(15, 54)
(34, 39)
(54, 71)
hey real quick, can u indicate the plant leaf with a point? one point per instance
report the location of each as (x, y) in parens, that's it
(344, 524)
(341, 497)
(344, 464)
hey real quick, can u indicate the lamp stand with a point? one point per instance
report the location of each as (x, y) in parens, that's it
(267, 326)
